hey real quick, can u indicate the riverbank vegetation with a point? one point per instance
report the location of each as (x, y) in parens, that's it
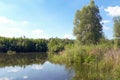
(102, 61)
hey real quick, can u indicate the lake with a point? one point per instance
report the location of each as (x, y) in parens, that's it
(35, 66)
(32, 67)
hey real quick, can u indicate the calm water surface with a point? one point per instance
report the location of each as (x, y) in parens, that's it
(32, 67)
(37, 67)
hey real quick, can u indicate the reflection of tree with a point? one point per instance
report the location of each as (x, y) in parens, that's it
(88, 72)
(22, 60)
(70, 73)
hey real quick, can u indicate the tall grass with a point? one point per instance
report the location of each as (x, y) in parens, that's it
(111, 63)
(104, 57)
(81, 54)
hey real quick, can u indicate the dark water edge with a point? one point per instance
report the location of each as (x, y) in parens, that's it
(22, 59)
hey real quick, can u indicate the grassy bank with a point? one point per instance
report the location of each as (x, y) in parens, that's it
(104, 58)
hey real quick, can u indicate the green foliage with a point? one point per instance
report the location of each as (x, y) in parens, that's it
(23, 45)
(91, 62)
(56, 45)
(73, 54)
(117, 43)
(87, 26)
(33, 45)
(117, 72)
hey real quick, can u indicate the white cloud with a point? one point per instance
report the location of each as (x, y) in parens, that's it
(106, 21)
(37, 31)
(25, 22)
(5, 78)
(25, 77)
(18, 32)
(106, 28)
(37, 67)
(113, 11)
(68, 36)
(11, 32)
(13, 70)
(12, 28)
(15, 29)
(6, 20)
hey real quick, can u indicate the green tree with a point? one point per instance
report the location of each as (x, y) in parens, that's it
(87, 26)
(117, 30)
(55, 45)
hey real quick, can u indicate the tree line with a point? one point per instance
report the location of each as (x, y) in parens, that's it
(33, 45)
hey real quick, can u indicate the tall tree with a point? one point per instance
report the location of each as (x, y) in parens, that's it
(87, 26)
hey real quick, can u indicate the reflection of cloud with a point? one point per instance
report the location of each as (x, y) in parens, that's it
(25, 77)
(13, 70)
(5, 78)
(37, 67)
(47, 62)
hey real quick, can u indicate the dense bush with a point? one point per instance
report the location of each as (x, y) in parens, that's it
(56, 45)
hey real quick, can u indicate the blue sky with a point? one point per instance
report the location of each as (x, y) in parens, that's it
(50, 18)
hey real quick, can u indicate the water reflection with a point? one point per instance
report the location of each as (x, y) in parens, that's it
(37, 67)
(89, 72)
(22, 59)
(31, 67)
